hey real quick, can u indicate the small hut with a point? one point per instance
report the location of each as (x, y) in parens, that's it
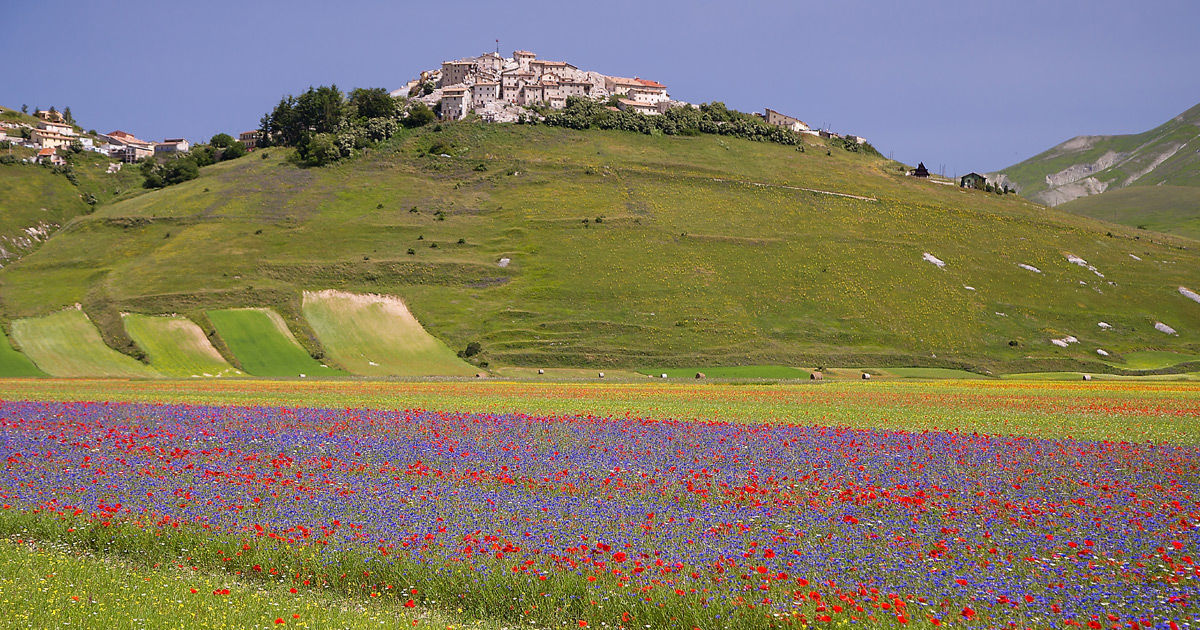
(816, 376)
(866, 377)
(973, 180)
(920, 171)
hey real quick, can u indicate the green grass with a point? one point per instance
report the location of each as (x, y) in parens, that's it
(934, 373)
(66, 344)
(1168, 209)
(682, 269)
(741, 371)
(377, 336)
(176, 346)
(65, 587)
(1154, 359)
(13, 363)
(263, 344)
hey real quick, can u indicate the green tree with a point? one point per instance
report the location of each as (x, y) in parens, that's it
(24, 109)
(221, 140)
(67, 116)
(203, 154)
(233, 151)
(419, 115)
(372, 103)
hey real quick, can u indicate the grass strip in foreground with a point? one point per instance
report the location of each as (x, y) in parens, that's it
(56, 586)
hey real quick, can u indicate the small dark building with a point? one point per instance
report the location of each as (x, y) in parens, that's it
(973, 180)
(921, 171)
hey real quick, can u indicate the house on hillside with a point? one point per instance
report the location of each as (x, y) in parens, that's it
(172, 145)
(637, 89)
(48, 116)
(50, 156)
(455, 72)
(249, 138)
(455, 102)
(127, 147)
(484, 92)
(782, 120)
(47, 139)
(650, 109)
(973, 180)
(920, 171)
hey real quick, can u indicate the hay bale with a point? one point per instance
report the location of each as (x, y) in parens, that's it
(1087, 377)
(602, 375)
(664, 375)
(816, 376)
(479, 375)
(866, 377)
(699, 375)
(541, 371)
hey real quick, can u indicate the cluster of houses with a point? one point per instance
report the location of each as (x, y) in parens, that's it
(53, 136)
(499, 89)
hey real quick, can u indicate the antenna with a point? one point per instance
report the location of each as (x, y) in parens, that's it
(497, 47)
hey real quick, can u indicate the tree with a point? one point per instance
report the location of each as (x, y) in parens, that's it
(67, 116)
(419, 115)
(221, 140)
(24, 109)
(233, 151)
(372, 103)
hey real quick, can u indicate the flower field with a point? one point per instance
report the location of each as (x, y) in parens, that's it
(624, 521)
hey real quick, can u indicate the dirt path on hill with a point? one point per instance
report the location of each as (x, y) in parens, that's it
(811, 190)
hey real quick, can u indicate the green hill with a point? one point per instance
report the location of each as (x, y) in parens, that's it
(553, 247)
(1150, 179)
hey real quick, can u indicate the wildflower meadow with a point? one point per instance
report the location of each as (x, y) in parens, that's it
(620, 521)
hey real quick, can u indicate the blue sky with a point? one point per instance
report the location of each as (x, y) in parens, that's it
(960, 85)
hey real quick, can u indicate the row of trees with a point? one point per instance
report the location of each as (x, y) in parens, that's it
(710, 118)
(66, 113)
(326, 125)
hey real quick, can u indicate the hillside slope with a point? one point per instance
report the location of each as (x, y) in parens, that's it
(556, 247)
(1168, 155)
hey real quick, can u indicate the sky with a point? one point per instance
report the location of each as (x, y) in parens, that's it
(960, 85)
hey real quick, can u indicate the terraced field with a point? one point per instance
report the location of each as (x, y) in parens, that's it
(66, 344)
(176, 346)
(264, 346)
(375, 335)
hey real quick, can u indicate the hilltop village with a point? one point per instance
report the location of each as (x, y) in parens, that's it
(506, 89)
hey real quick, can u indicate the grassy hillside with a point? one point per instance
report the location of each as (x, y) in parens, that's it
(67, 344)
(1170, 209)
(377, 336)
(629, 250)
(263, 345)
(1168, 155)
(175, 346)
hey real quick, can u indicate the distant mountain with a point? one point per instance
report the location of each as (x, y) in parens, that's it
(1167, 156)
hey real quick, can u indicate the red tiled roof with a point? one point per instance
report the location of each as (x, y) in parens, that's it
(649, 83)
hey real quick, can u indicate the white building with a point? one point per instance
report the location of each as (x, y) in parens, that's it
(484, 92)
(780, 120)
(172, 145)
(455, 102)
